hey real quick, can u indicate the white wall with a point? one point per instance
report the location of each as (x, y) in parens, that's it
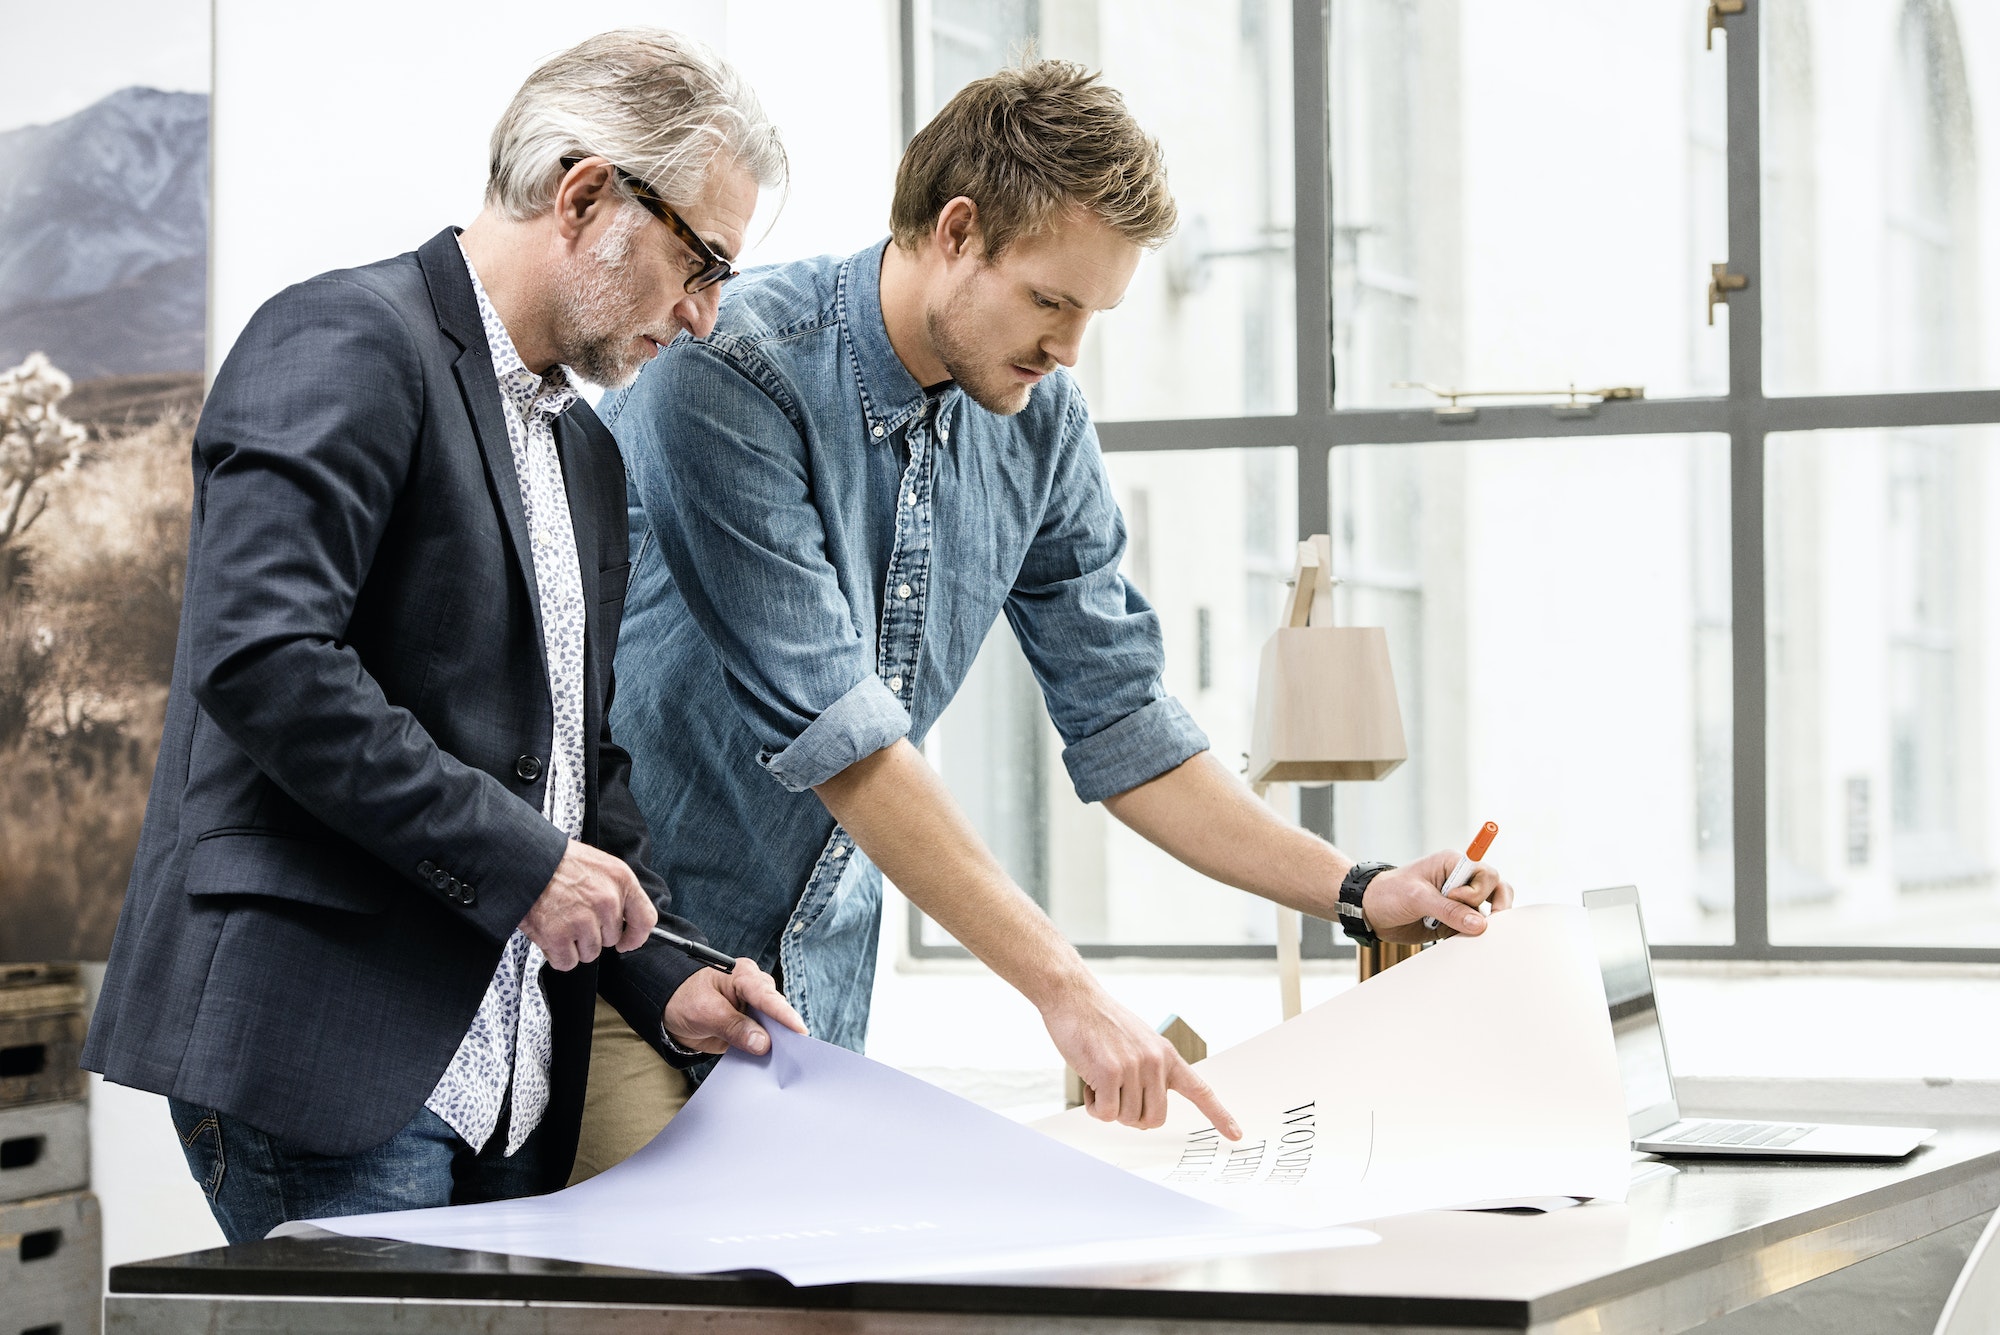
(828, 74)
(347, 133)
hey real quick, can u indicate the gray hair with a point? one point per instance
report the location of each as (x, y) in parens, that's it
(662, 106)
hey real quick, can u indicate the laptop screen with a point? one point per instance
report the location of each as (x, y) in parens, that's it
(1620, 937)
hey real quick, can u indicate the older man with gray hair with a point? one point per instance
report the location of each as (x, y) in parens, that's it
(391, 853)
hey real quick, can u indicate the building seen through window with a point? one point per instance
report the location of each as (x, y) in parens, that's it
(1883, 583)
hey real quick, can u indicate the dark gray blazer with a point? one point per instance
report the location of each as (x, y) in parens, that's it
(345, 823)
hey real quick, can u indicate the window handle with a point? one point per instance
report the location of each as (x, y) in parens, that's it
(1718, 10)
(1721, 283)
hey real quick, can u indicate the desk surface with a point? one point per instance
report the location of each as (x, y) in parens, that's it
(1684, 1249)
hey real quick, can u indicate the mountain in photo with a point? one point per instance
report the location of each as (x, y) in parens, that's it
(104, 236)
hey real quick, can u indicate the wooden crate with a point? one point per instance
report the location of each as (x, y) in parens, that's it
(30, 989)
(41, 1034)
(44, 1149)
(52, 1264)
(62, 1314)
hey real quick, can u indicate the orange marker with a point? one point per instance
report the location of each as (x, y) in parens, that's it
(1467, 864)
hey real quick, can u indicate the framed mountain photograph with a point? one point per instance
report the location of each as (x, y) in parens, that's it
(104, 209)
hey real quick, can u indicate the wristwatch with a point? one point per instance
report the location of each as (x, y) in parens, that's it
(1352, 887)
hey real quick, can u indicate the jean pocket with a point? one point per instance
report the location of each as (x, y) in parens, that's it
(200, 1131)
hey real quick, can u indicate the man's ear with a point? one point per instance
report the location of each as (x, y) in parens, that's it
(956, 235)
(584, 190)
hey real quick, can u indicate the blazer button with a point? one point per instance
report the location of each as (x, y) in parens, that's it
(528, 769)
(467, 895)
(425, 868)
(441, 881)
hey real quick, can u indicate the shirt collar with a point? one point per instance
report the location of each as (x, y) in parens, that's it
(551, 394)
(890, 395)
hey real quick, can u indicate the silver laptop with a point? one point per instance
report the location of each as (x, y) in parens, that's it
(1657, 1124)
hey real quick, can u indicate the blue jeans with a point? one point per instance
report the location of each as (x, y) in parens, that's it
(254, 1181)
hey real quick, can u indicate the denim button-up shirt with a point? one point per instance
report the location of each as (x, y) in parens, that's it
(818, 551)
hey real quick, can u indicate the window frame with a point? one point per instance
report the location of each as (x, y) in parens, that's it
(1744, 413)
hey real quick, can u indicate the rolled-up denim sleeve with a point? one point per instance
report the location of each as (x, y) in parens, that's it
(716, 459)
(1092, 639)
(855, 726)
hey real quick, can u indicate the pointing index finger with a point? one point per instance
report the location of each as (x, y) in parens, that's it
(1196, 1090)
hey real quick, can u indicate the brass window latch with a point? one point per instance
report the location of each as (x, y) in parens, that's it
(1718, 10)
(1721, 283)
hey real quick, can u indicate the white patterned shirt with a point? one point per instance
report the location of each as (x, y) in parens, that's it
(510, 1036)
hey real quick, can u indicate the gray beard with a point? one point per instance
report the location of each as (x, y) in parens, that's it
(595, 317)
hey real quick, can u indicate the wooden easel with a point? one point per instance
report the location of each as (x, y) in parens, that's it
(1326, 712)
(1311, 599)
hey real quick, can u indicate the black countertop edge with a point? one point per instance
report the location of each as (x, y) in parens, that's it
(277, 1269)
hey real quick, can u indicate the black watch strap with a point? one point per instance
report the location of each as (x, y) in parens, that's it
(1352, 887)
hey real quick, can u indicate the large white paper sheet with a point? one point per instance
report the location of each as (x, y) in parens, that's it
(1483, 1070)
(823, 1166)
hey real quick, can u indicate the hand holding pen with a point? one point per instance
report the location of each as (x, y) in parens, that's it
(1444, 892)
(1461, 874)
(720, 1006)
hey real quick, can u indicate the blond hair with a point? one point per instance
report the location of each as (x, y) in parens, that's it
(1026, 145)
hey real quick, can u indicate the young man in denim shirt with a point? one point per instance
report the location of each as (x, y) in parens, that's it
(833, 497)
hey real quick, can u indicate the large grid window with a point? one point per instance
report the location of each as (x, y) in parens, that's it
(1729, 639)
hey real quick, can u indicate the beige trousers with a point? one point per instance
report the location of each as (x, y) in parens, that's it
(631, 1097)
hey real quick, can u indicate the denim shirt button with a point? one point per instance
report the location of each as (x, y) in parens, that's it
(904, 591)
(797, 928)
(878, 431)
(895, 683)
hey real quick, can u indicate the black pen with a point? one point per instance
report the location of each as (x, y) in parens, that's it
(696, 951)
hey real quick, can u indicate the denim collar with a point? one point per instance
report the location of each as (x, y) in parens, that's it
(890, 395)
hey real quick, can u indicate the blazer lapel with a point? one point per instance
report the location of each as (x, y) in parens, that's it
(573, 446)
(458, 315)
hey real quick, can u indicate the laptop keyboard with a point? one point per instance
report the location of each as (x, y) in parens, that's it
(1759, 1135)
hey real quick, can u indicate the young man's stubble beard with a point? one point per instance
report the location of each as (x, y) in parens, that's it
(597, 316)
(987, 382)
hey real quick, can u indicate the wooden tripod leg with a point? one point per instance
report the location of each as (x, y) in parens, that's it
(1288, 935)
(1288, 961)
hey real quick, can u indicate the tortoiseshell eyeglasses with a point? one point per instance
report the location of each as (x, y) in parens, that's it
(715, 269)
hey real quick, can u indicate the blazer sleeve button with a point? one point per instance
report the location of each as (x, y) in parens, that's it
(528, 769)
(425, 868)
(441, 880)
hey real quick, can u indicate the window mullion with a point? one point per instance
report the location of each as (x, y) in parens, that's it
(1750, 750)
